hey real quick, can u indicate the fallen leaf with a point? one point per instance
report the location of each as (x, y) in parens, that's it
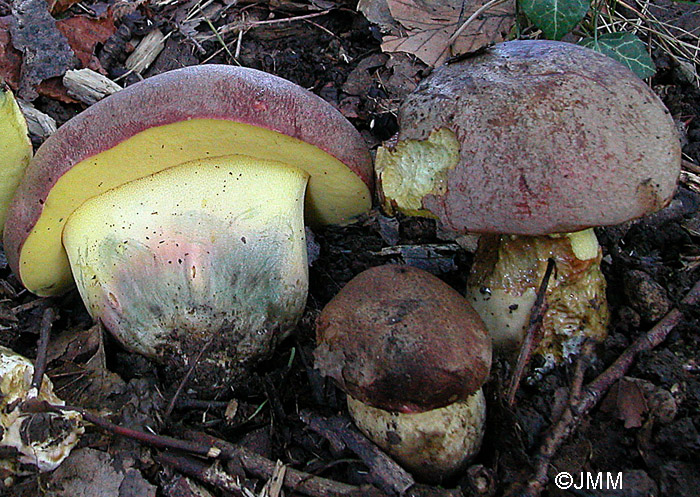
(405, 74)
(360, 79)
(74, 344)
(428, 26)
(84, 33)
(58, 6)
(626, 402)
(95, 384)
(53, 88)
(89, 472)
(10, 57)
(45, 50)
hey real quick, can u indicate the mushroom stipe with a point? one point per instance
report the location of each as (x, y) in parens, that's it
(208, 247)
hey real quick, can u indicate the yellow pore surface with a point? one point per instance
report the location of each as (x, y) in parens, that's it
(15, 150)
(335, 194)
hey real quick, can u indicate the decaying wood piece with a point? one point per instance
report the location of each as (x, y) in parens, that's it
(89, 86)
(386, 473)
(39, 124)
(212, 474)
(261, 467)
(148, 49)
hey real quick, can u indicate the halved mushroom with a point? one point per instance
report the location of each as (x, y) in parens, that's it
(180, 201)
(412, 355)
(534, 139)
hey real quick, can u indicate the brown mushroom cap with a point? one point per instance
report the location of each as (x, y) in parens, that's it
(188, 114)
(400, 339)
(532, 137)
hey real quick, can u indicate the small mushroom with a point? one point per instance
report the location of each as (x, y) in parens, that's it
(39, 441)
(15, 148)
(412, 355)
(532, 143)
(177, 206)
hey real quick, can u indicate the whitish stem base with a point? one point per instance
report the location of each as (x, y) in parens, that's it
(433, 444)
(506, 274)
(209, 253)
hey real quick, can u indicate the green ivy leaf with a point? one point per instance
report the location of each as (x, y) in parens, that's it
(625, 48)
(555, 17)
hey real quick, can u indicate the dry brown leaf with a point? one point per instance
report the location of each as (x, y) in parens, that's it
(53, 88)
(90, 472)
(59, 6)
(10, 57)
(429, 24)
(84, 33)
(626, 402)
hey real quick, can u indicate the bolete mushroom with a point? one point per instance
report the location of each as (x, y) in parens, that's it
(412, 355)
(38, 441)
(15, 148)
(533, 143)
(177, 206)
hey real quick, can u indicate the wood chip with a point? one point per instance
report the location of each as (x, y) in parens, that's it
(39, 124)
(89, 86)
(146, 52)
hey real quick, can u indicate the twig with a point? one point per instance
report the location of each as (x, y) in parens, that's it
(42, 348)
(210, 447)
(30, 305)
(200, 404)
(577, 408)
(247, 25)
(290, 19)
(188, 375)
(159, 441)
(532, 335)
(212, 474)
(644, 343)
(261, 467)
(562, 428)
(471, 18)
(386, 474)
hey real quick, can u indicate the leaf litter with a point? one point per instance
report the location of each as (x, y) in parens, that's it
(294, 53)
(425, 28)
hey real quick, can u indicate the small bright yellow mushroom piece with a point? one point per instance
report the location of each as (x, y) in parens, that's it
(41, 440)
(209, 250)
(15, 149)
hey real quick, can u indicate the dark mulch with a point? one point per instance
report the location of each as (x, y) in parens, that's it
(647, 427)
